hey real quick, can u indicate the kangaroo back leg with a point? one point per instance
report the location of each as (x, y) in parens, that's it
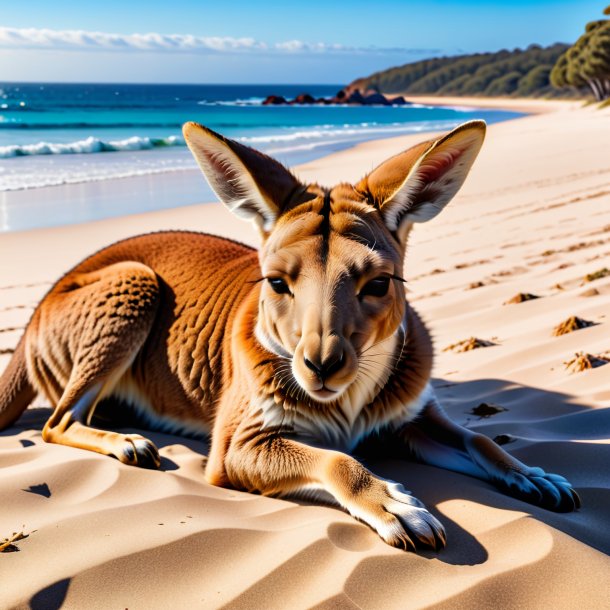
(69, 426)
(16, 391)
(434, 439)
(84, 339)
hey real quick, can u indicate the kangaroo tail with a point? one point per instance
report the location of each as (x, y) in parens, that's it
(16, 391)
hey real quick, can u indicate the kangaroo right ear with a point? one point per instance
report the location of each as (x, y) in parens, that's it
(251, 184)
(415, 185)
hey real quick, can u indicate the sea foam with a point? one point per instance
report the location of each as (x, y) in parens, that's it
(89, 145)
(92, 145)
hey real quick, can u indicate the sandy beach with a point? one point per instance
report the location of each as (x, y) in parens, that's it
(532, 218)
(518, 104)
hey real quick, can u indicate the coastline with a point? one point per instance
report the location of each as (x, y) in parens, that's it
(533, 216)
(518, 104)
(51, 188)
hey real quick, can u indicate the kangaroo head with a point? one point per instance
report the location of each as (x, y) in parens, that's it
(332, 299)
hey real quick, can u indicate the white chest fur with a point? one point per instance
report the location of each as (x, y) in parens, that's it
(341, 427)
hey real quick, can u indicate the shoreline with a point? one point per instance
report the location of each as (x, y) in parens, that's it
(532, 217)
(96, 197)
(519, 104)
(177, 182)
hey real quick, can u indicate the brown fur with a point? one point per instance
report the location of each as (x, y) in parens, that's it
(192, 331)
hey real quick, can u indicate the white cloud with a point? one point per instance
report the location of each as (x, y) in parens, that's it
(80, 40)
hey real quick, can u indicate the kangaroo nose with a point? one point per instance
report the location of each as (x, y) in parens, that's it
(325, 369)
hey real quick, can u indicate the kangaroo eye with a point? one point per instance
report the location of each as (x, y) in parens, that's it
(279, 285)
(376, 288)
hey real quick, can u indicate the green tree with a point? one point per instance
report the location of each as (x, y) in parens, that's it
(587, 62)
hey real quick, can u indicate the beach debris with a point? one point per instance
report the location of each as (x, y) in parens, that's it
(504, 272)
(570, 325)
(521, 297)
(8, 544)
(474, 285)
(483, 261)
(6, 350)
(486, 409)
(468, 345)
(504, 439)
(597, 275)
(583, 362)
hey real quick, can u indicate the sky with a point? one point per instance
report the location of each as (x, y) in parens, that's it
(264, 41)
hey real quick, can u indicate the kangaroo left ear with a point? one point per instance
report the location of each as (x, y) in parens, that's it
(415, 185)
(251, 184)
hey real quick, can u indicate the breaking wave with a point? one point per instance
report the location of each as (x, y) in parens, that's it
(88, 146)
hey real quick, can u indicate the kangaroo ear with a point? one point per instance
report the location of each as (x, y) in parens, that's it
(415, 185)
(251, 184)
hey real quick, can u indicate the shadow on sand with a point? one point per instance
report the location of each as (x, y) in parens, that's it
(547, 429)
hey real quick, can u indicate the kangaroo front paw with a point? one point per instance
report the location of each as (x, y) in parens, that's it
(139, 451)
(534, 485)
(399, 518)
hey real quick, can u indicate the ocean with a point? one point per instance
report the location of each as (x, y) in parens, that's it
(60, 134)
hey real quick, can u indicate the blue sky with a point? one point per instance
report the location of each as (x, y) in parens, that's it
(264, 41)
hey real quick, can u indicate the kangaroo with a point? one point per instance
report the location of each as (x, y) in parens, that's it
(290, 358)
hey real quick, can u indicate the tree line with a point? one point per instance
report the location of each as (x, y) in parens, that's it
(559, 70)
(520, 73)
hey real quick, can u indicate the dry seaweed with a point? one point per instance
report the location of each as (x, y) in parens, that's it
(467, 345)
(8, 544)
(597, 275)
(471, 264)
(582, 362)
(521, 298)
(570, 325)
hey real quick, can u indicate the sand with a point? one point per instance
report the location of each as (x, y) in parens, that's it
(528, 105)
(533, 217)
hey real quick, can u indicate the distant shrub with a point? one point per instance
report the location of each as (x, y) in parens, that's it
(505, 85)
(537, 79)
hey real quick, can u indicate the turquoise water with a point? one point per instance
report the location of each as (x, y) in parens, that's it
(57, 134)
